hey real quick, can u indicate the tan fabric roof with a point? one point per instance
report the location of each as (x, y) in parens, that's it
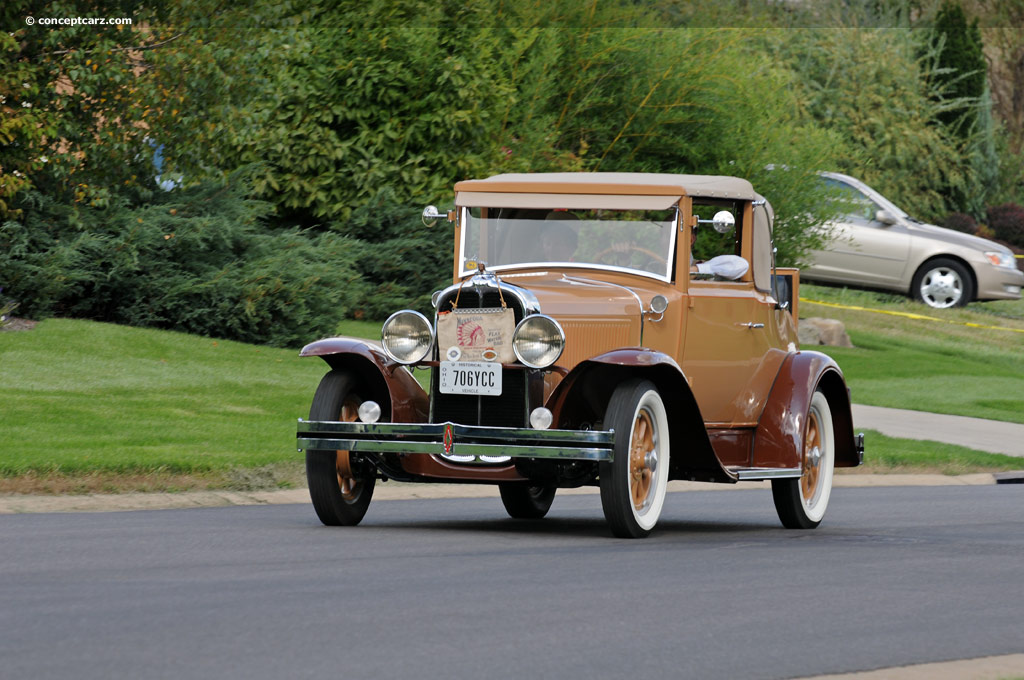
(493, 199)
(713, 186)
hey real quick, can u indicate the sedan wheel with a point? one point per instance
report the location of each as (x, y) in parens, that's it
(943, 283)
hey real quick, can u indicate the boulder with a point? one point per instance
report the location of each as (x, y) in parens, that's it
(818, 331)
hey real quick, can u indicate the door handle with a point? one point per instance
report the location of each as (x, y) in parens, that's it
(751, 324)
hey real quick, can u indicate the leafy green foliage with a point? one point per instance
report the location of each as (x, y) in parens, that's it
(354, 115)
(400, 261)
(883, 109)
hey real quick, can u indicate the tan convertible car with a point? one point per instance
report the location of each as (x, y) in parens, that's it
(580, 343)
(877, 245)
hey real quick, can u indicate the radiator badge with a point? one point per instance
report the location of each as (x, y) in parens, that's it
(449, 438)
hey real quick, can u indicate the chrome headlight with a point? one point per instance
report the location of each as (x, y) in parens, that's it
(1001, 259)
(538, 341)
(407, 336)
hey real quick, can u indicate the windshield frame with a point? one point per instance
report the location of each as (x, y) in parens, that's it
(666, 277)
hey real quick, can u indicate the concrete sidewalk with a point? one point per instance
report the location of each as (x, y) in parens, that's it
(17, 504)
(994, 436)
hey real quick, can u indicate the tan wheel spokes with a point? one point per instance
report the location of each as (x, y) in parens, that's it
(642, 443)
(812, 457)
(349, 485)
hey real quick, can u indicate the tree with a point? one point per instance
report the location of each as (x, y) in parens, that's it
(960, 71)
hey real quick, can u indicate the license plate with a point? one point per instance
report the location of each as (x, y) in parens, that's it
(470, 377)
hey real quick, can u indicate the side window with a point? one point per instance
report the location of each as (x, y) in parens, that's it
(854, 206)
(708, 242)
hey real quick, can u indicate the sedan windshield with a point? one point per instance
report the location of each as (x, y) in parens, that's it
(640, 241)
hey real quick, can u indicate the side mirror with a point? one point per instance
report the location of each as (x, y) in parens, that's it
(723, 221)
(430, 213)
(885, 217)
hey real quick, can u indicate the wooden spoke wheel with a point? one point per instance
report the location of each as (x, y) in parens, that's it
(801, 503)
(340, 492)
(634, 483)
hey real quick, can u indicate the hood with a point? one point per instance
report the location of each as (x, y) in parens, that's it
(597, 316)
(570, 296)
(953, 237)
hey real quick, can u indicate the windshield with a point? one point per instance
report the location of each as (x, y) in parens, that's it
(640, 241)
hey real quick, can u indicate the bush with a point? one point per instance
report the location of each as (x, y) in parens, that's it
(960, 222)
(199, 260)
(1007, 223)
(399, 259)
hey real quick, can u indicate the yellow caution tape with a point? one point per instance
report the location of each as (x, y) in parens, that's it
(911, 315)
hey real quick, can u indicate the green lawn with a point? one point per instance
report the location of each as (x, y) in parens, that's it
(885, 454)
(90, 406)
(928, 365)
(82, 397)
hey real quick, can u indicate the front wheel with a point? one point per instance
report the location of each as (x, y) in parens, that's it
(801, 503)
(339, 489)
(526, 502)
(943, 283)
(634, 483)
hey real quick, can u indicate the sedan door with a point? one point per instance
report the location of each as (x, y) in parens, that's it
(863, 250)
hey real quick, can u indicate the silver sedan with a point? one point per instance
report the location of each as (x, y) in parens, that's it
(877, 245)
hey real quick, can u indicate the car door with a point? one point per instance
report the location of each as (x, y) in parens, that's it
(862, 250)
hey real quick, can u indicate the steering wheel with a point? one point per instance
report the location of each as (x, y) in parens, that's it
(621, 248)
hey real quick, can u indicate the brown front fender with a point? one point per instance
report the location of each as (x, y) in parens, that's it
(583, 395)
(779, 438)
(401, 398)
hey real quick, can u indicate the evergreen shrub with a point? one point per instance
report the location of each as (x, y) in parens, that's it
(960, 222)
(1007, 223)
(199, 260)
(400, 260)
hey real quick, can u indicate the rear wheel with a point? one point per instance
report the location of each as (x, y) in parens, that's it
(634, 483)
(526, 502)
(943, 283)
(801, 503)
(340, 491)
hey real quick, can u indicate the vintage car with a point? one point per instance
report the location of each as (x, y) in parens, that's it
(580, 343)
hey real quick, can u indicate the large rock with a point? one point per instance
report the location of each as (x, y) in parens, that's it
(818, 331)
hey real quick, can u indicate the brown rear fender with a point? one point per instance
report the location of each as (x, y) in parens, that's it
(401, 398)
(779, 438)
(581, 398)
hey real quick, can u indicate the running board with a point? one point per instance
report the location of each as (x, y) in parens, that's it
(760, 474)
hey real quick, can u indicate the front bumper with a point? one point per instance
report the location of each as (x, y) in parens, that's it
(450, 439)
(999, 283)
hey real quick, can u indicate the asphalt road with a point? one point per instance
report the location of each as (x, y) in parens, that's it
(451, 588)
